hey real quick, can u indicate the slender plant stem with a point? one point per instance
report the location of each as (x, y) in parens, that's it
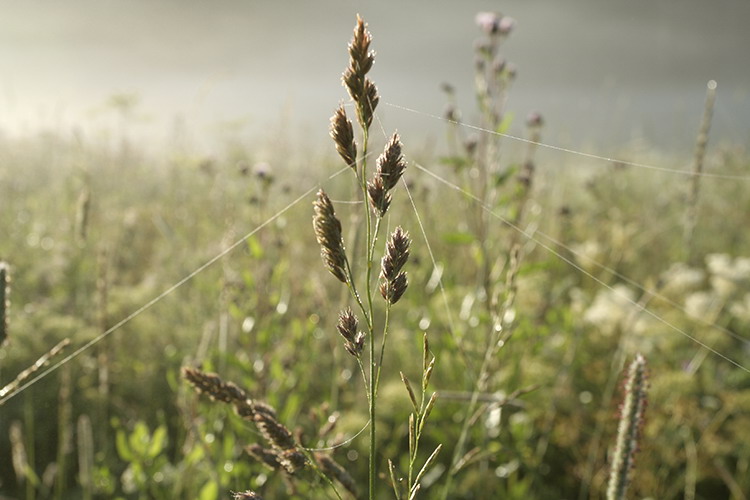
(369, 318)
(353, 289)
(320, 473)
(382, 344)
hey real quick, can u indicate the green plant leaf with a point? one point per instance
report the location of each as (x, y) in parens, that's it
(255, 248)
(456, 162)
(505, 124)
(158, 442)
(210, 491)
(123, 449)
(458, 238)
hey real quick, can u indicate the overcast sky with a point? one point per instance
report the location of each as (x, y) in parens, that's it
(598, 70)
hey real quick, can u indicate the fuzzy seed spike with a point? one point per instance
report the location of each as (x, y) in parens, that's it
(629, 431)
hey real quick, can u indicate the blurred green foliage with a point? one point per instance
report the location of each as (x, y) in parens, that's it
(264, 316)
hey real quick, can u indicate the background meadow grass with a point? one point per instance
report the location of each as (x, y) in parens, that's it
(117, 421)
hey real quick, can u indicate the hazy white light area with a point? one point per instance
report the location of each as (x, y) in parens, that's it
(601, 73)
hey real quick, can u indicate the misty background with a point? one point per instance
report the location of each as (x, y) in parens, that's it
(603, 73)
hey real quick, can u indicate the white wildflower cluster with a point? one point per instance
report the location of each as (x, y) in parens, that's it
(611, 307)
(723, 286)
(588, 254)
(681, 278)
(728, 275)
(741, 308)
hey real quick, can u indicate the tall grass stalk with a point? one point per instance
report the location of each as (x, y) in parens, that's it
(376, 200)
(500, 334)
(701, 141)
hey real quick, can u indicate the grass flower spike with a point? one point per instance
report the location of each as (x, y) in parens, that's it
(631, 421)
(342, 134)
(390, 169)
(328, 233)
(360, 88)
(354, 341)
(394, 281)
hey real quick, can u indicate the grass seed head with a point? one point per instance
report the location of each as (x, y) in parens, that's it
(328, 233)
(354, 341)
(361, 57)
(212, 385)
(360, 88)
(396, 254)
(274, 431)
(628, 434)
(292, 460)
(267, 457)
(391, 163)
(392, 290)
(342, 134)
(335, 471)
(380, 199)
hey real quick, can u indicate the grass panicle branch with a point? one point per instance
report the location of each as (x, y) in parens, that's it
(628, 434)
(284, 451)
(9, 390)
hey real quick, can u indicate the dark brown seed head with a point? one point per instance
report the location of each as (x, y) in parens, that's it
(328, 233)
(396, 254)
(335, 471)
(380, 200)
(361, 57)
(348, 324)
(343, 136)
(274, 431)
(360, 88)
(292, 460)
(226, 392)
(355, 346)
(212, 385)
(392, 290)
(267, 457)
(391, 164)
(368, 102)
